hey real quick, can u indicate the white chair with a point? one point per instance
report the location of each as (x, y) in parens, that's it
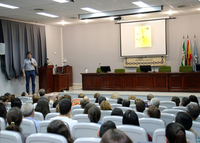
(88, 140)
(97, 104)
(28, 127)
(51, 115)
(10, 137)
(135, 133)
(198, 119)
(112, 101)
(124, 109)
(2, 123)
(82, 118)
(133, 106)
(172, 111)
(116, 119)
(38, 116)
(76, 107)
(46, 138)
(53, 110)
(140, 115)
(161, 108)
(168, 104)
(151, 124)
(105, 113)
(196, 127)
(92, 100)
(77, 112)
(29, 101)
(179, 108)
(80, 130)
(132, 102)
(191, 137)
(23, 99)
(115, 105)
(8, 106)
(145, 112)
(168, 118)
(42, 127)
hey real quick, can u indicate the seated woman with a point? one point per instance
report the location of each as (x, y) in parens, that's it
(59, 127)
(94, 114)
(117, 112)
(153, 112)
(3, 110)
(14, 119)
(105, 105)
(43, 107)
(176, 100)
(175, 133)
(131, 118)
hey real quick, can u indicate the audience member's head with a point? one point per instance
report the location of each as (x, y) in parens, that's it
(126, 103)
(28, 110)
(43, 107)
(35, 98)
(115, 136)
(117, 112)
(153, 112)
(68, 97)
(176, 100)
(55, 103)
(65, 107)
(130, 118)
(11, 97)
(175, 133)
(115, 96)
(119, 101)
(24, 94)
(105, 105)
(94, 114)
(137, 99)
(185, 101)
(184, 119)
(150, 96)
(193, 98)
(131, 97)
(16, 102)
(96, 95)
(193, 110)
(81, 95)
(101, 98)
(58, 127)
(86, 98)
(105, 127)
(3, 110)
(52, 98)
(140, 106)
(87, 107)
(84, 103)
(155, 102)
(7, 94)
(5, 100)
(42, 92)
(14, 119)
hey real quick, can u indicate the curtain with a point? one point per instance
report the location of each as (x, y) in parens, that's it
(19, 38)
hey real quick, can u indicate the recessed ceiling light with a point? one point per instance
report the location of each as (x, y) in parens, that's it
(86, 20)
(170, 12)
(63, 22)
(140, 4)
(8, 6)
(90, 10)
(47, 14)
(61, 1)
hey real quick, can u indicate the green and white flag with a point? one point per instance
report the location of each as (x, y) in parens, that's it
(183, 57)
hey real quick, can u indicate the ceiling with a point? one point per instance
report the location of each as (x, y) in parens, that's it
(69, 11)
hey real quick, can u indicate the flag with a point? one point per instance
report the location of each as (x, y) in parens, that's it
(183, 58)
(189, 55)
(196, 56)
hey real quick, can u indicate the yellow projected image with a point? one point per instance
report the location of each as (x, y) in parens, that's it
(143, 36)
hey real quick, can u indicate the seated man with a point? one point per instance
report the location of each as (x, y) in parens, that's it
(193, 110)
(28, 112)
(185, 101)
(140, 106)
(101, 99)
(155, 102)
(16, 102)
(84, 103)
(153, 112)
(126, 103)
(65, 108)
(42, 92)
(105, 127)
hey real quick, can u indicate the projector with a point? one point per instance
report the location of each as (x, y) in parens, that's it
(118, 18)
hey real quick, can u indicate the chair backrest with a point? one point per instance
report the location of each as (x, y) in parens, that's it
(97, 104)
(135, 133)
(112, 101)
(92, 100)
(53, 110)
(29, 101)
(191, 137)
(172, 111)
(198, 119)
(164, 69)
(8, 106)
(2, 123)
(10, 137)
(82, 118)
(115, 105)
(196, 127)
(88, 140)
(119, 70)
(80, 130)
(124, 109)
(185, 68)
(151, 124)
(38, 116)
(46, 138)
(168, 118)
(42, 127)
(132, 102)
(77, 112)
(140, 115)
(105, 113)
(161, 108)
(179, 108)
(133, 106)
(138, 69)
(76, 107)
(145, 112)
(168, 104)
(116, 119)
(51, 115)
(28, 127)
(23, 99)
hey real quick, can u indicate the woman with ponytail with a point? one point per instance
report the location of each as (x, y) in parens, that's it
(94, 114)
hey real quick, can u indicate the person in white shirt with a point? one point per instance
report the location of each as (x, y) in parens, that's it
(65, 108)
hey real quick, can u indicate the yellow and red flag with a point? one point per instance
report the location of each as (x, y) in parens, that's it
(189, 54)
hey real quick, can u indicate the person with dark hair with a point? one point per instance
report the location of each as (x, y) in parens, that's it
(29, 71)
(16, 102)
(11, 97)
(193, 110)
(131, 118)
(119, 100)
(193, 98)
(24, 94)
(60, 128)
(185, 101)
(105, 127)
(81, 95)
(94, 114)
(175, 133)
(101, 99)
(7, 94)
(42, 92)
(5, 100)
(140, 106)
(42, 107)
(14, 119)
(115, 136)
(117, 112)
(126, 103)
(55, 103)
(176, 100)
(97, 95)
(153, 112)
(3, 110)
(65, 108)
(84, 103)
(87, 107)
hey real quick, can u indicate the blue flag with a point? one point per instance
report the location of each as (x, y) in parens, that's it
(196, 56)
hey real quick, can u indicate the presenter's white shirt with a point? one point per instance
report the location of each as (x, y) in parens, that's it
(66, 120)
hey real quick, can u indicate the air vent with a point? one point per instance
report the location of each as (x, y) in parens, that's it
(181, 6)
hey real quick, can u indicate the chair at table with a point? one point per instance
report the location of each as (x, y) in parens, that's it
(38, 116)
(51, 115)
(116, 119)
(88, 140)
(168, 118)
(10, 137)
(2, 123)
(119, 70)
(42, 127)
(185, 68)
(82, 118)
(28, 127)
(164, 69)
(168, 104)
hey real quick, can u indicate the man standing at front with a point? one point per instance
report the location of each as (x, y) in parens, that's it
(29, 71)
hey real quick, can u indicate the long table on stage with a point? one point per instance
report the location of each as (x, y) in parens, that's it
(165, 82)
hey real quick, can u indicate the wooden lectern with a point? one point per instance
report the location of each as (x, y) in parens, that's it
(61, 82)
(67, 69)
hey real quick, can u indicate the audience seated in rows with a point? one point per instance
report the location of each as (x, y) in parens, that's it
(153, 112)
(43, 106)
(35, 98)
(140, 106)
(42, 92)
(193, 98)
(105, 105)
(176, 100)
(87, 107)
(81, 95)
(155, 102)
(105, 127)
(119, 100)
(185, 101)
(101, 99)
(83, 103)
(3, 110)
(193, 110)
(16, 102)
(117, 112)
(25, 94)
(115, 96)
(94, 114)
(126, 103)
(131, 97)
